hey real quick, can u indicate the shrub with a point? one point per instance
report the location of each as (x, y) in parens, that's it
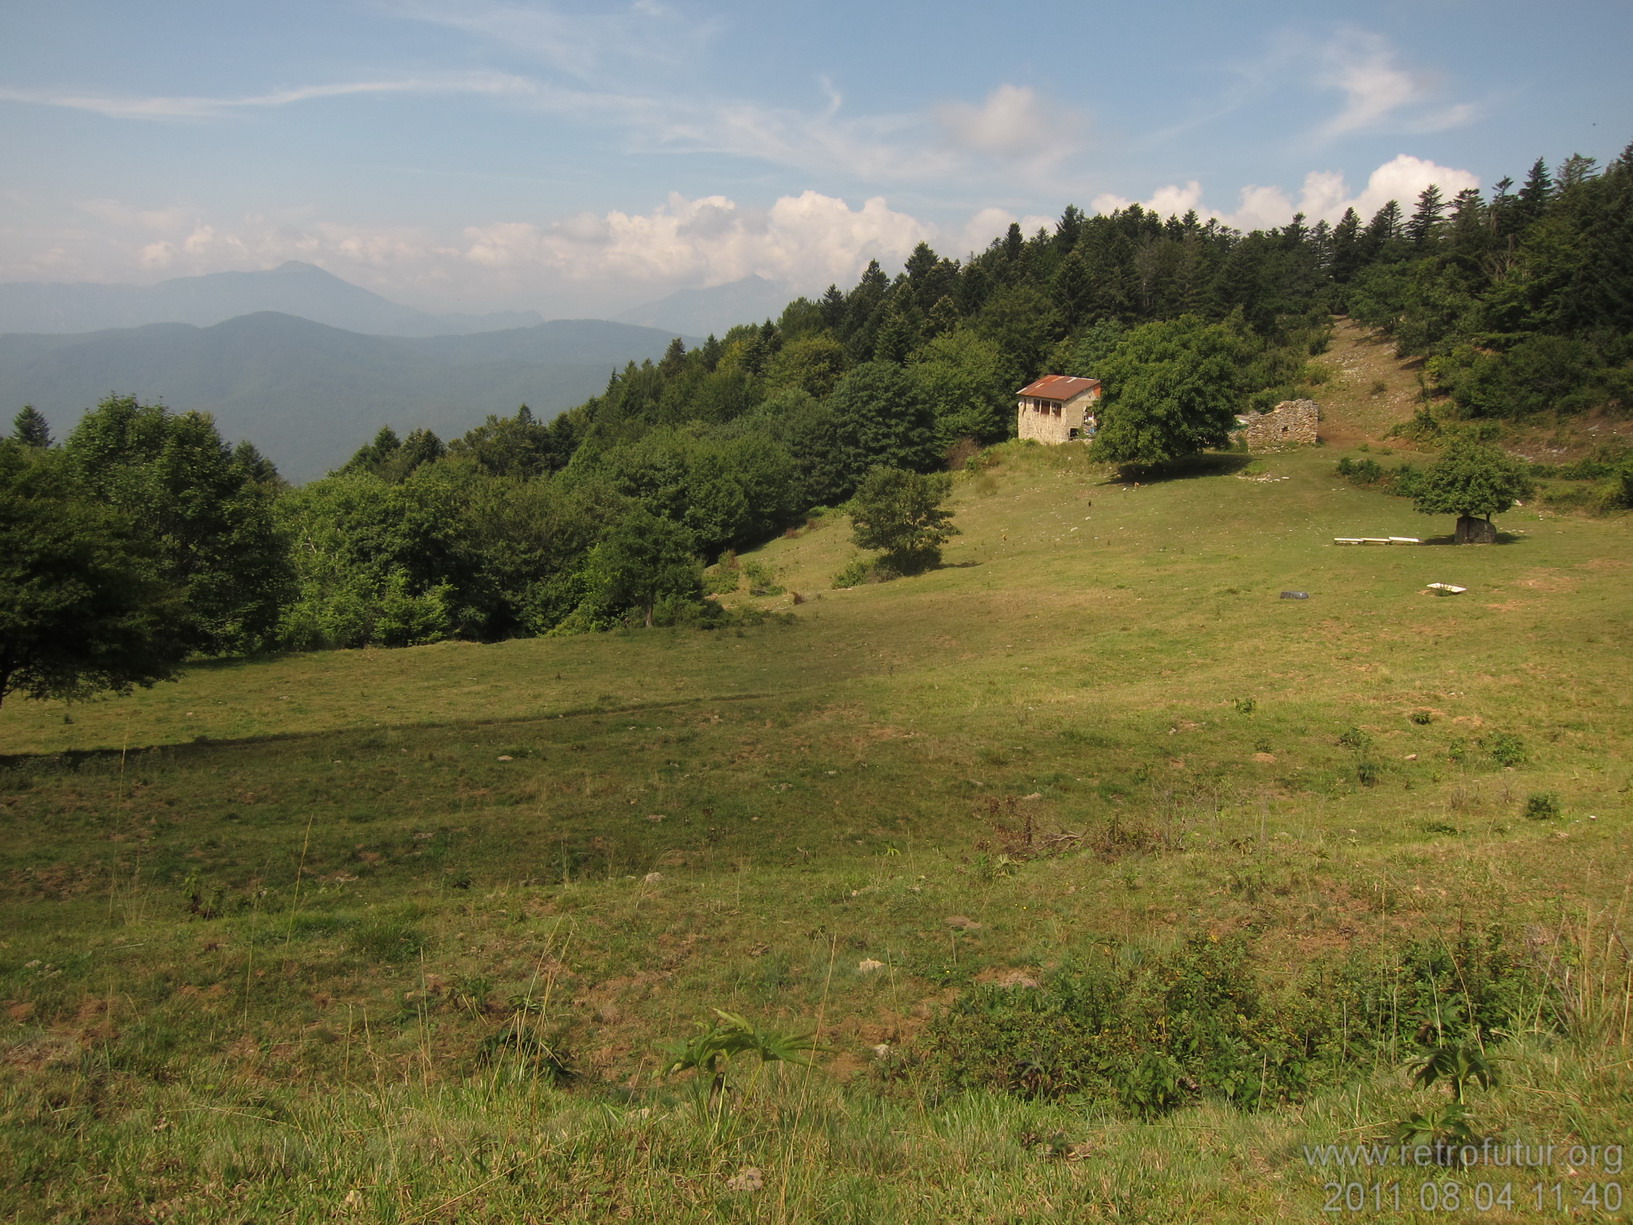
(1542, 806)
(1147, 1034)
(1622, 491)
(1355, 739)
(722, 581)
(854, 574)
(1507, 749)
(1363, 472)
(761, 580)
(962, 454)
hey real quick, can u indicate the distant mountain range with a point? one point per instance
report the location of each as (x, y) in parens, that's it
(307, 394)
(293, 288)
(700, 312)
(308, 367)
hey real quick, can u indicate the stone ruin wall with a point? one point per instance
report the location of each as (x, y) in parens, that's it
(1292, 423)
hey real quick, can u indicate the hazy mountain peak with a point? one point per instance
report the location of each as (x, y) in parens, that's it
(294, 287)
(717, 309)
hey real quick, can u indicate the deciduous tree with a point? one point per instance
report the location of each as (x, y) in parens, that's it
(82, 607)
(208, 513)
(1473, 481)
(645, 561)
(900, 513)
(1171, 389)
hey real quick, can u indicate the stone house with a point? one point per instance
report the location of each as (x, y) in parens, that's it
(1292, 423)
(1057, 408)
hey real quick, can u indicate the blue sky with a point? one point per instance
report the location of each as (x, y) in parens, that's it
(578, 159)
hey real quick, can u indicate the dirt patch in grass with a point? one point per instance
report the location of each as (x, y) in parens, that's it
(1547, 580)
(1372, 390)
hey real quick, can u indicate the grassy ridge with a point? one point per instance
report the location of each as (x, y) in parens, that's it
(267, 929)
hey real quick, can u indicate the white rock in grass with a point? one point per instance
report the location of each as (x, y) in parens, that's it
(869, 966)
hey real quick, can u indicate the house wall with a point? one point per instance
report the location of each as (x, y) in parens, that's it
(1292, 423)
(1054, 422)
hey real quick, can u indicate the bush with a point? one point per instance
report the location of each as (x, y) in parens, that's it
(854, 574)
(1507, 749)
(1148, 1034)
(1362, 472)
(1542, 806)
(722, 582)
(1356, 739)
(1622, 491)
(761, 580)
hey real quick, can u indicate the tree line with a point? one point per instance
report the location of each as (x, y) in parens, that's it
(609, 511)
(1523, 302)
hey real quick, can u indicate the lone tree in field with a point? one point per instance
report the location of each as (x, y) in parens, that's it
(900, 512)
(1473, 481)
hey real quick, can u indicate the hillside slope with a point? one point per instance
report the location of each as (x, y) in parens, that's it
(338, 896)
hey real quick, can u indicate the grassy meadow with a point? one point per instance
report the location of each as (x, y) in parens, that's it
(404, 935)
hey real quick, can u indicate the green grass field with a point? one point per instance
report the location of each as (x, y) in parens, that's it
(320, 938)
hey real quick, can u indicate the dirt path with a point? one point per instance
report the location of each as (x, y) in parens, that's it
(1371, 390)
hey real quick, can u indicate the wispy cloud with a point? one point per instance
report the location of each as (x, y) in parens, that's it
(589, 46)
(194, 107)
(1378, 90)
(879, 148)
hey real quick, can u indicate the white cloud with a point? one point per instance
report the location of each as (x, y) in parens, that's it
(1324, 195)
(1378, 91)
(1261, 208)
(583, 264)
(598, 263)
(157, 256)
(1402, 179)
(806, 240)
(1013, 124)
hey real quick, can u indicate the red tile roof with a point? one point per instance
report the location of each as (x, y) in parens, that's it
(1058, 387)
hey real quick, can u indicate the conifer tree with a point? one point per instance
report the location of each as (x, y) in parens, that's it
(1535, 194)
(1426, 220)
(30, 428)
